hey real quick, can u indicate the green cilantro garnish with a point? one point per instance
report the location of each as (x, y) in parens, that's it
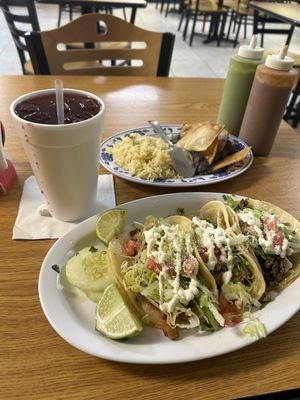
(55, 268)
(93, 249)
(180, 211)
(231, 202)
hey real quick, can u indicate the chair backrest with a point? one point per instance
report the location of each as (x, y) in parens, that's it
(15, 20)
(102, 35)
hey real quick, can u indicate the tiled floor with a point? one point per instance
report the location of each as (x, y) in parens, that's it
(198, 60)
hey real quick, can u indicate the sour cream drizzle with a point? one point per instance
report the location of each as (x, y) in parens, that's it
(265, 237)
(215, 238)
(171, 245)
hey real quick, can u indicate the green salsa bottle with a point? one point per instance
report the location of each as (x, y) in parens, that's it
(238, 85)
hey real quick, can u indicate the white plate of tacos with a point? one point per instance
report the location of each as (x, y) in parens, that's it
(214, 279)
(139, 156)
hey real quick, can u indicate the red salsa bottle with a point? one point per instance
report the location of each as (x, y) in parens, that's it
(268, 98)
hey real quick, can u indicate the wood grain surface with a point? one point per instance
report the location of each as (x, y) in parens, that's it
(118, 31)
(289, 13)
(35, 362)
(92, 3)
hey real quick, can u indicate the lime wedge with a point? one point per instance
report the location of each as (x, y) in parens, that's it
(110, 224)
(114, 318)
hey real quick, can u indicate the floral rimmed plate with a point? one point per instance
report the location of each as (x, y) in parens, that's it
(197, 180)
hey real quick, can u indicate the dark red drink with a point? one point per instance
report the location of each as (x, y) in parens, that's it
(41, 109)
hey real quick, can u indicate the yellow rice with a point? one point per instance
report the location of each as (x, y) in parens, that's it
(144, 156)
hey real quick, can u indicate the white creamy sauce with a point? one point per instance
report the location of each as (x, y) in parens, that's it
(170, 245)
(227, 277)
(264, 236)
(210, 237)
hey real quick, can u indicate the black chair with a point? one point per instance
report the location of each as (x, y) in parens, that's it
(68, 8)
(64, 8)
(201, 11)
(31, 21)
(292, 113)
(174, 9)
(240, 15)
(48, 59)
(261, 21)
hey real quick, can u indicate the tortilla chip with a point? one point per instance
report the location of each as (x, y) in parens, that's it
(211, 152)
(232, 159)
(200, 137)
(223, 137)
(185, 129)
(189, 128)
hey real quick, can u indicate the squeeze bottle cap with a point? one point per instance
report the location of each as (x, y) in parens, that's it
(280, 61)
(251, 51)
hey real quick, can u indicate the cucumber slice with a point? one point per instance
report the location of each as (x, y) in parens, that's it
(89, 271)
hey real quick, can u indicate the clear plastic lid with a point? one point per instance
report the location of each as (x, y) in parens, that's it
(251, 51)
(280, 61)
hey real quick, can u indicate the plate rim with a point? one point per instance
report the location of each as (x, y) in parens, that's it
(246, 340)
(141, 181)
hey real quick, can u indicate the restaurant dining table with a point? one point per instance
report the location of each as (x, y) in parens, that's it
(286, 13)
(88, 6)
(36, 363)
(289, 13)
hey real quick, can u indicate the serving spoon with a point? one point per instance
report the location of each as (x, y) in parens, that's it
(181, 159)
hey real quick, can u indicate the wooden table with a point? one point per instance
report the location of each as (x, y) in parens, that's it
(38, 364)
(88, 6)
(289, 13)
(274, 12)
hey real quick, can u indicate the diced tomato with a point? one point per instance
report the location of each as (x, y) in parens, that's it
(131, 248)
(278, 239)
(189, 266)
(232, 320)
(230, 311)
(170, 269)
(269, 224)
(153, 265)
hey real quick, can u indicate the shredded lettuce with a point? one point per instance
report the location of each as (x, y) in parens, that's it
(151, 291)
(190, 321)
(229, 200)
(253, 327)
(213, 309)
(238, 239)
(256, 212)
(151, 220)
(237, 292)
(207, 307)
(240, 265)
(211, 323)
(138, 279)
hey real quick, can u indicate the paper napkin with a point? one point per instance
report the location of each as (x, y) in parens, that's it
(31, 225)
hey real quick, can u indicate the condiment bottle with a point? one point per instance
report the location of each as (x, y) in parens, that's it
(269, 95)
(238, 84)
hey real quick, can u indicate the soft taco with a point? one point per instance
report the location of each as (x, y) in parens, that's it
(156, 266)
(221, 214)
(274, 236)
(221, 247)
